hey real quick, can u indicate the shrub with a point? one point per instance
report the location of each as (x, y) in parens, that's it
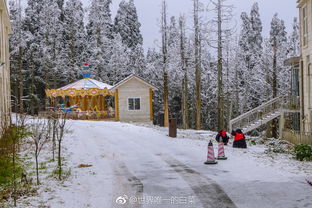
(10, 163)
(303, 152)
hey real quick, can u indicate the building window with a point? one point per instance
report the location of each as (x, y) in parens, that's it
(305, 25)
(134, 104)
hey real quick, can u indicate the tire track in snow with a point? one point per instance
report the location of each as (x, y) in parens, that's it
(126, 184)
(209, 193)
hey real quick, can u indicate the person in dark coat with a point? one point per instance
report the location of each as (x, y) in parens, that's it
(222, 137)
(239, 139)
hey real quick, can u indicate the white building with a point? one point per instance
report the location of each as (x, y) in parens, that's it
(134, 100)
(5, 97)
(305, 12)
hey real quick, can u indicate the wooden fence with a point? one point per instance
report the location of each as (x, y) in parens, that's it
(297, 137)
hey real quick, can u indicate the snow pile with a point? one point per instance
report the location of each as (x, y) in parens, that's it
(279, 146)
(274, 145)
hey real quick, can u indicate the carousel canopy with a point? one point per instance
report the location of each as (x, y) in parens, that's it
(86, 84)
(83, 87)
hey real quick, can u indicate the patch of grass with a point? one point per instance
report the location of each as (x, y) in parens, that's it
(84, 166)
(50, 199)
(43, 166)
(66, 173)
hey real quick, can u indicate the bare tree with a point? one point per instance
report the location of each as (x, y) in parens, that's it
(40, 136)
(185, 112)
(53, 129)
(224, 16)
(198, 70)
(220, 70)
(60, 135)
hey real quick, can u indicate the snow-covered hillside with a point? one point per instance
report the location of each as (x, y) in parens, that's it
(140, 165)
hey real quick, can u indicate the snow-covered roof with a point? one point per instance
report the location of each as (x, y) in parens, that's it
(86, 84)
(116, 86)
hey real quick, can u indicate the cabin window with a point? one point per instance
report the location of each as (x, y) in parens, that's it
(305, 25)
(134, 104)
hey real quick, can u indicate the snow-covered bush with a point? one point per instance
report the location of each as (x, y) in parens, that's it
(279, 146)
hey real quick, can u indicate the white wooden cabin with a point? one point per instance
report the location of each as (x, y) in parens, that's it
(134, 100)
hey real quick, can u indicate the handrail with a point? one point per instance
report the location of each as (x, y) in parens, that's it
(257, 113)
(255, 109)
(263, 111)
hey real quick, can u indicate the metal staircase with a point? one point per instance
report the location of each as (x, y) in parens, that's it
(263, 114)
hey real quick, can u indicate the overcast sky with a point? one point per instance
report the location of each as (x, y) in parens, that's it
(149, 13)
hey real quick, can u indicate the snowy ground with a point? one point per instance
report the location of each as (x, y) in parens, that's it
(142, 166)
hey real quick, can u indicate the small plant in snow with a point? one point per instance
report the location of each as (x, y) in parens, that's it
(303, 152)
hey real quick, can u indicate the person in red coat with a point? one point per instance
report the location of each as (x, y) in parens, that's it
(222, 137)
(239, 139)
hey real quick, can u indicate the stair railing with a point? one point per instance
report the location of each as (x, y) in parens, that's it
(257, 113)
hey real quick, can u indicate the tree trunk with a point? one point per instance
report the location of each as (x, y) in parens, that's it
(274, 86)
(166, 100)
(237, 93)
(14, 170)
(37, 165)
(59, 160)
(21, 81)
(185, 111)
(54, 129)
(228, 95)
(274, 83)
(220, 74)
(185, 118)
(165, 54)
(32, 85)
(197, 68)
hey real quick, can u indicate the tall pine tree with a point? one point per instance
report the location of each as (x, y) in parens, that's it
(74, 39)
(127, 25)
(99, 38)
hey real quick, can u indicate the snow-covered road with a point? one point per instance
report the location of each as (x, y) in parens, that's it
(143, 167)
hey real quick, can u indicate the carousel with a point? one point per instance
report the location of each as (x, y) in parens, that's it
(84, 99)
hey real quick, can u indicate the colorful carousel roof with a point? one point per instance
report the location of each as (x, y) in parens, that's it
(86, 84)
(83, 87)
